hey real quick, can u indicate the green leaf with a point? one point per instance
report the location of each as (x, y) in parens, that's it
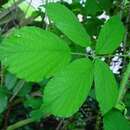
(105, 4)
(34, 103)
(10, 81)
(114, 120)
(37, 114)
(110, 36)
(106, 86)
(68, 23)
(32, 53)
(3, 100)
(92, 7)
(93, 26)
(66, 92)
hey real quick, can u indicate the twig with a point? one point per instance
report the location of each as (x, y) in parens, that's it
(27, 21)
(59, 125)
(7, 114)
(7, 11)
(14, 15)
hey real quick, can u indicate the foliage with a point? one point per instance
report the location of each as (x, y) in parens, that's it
(51, 66)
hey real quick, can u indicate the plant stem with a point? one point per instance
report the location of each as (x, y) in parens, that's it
(2, 75)
(19, 86)
(60, 124)
(79, 54)
(124, 81)
(126, 75)
(99, 56)
(7, 114)
(20, 124)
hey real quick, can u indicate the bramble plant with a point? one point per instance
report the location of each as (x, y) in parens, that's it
(56, 58)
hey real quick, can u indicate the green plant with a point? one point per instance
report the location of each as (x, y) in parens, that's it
(35, 55)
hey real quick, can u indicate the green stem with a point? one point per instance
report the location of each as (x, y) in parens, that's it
(99, 56)
(126, 75)
(20, 124)
(19, 86)
(124, 82)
